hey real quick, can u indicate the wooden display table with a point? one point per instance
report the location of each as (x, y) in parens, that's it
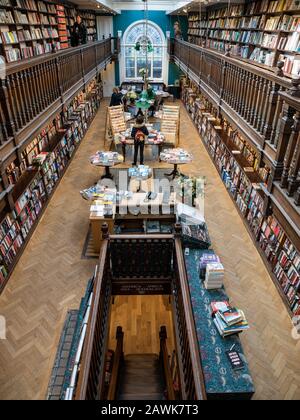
(126, 215)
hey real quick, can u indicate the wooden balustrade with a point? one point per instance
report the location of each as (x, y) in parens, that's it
(264, 103)
(289, 147)
(92, 369)
(191, 373)
(164, 355)
(118, 357)
(32, 86)
(248, 92)
(142, 252)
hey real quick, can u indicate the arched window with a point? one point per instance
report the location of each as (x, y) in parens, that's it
(136, 60)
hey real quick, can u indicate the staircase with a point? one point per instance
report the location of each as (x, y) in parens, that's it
(141, 378)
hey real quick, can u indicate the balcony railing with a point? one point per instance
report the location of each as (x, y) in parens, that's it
(32, 86)
(264, 104)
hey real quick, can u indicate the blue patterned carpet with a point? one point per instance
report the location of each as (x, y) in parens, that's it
(221, 380)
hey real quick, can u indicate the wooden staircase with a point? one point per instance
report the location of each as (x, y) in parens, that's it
(141, 378)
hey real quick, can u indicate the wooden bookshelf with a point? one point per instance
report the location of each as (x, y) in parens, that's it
(260, 32)
(245, 176)
(33, 177)
(30, 28)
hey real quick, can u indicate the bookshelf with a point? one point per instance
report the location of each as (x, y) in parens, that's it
(30, 28)
(260, 32)
(89, 20)
(245, 176)
(35, 174)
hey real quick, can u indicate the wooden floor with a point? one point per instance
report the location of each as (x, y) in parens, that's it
(51, 278)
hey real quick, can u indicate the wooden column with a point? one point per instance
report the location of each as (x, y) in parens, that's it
(284, 134)
(293, 145)
(295, 161)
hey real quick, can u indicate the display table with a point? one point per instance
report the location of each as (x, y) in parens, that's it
(132, 214)
(106, 160)
(221, 381)
(175, 157)
(140, 173)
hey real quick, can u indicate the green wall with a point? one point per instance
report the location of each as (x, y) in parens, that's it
(166, 23)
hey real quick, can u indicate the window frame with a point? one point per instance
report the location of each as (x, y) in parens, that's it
(152, 56)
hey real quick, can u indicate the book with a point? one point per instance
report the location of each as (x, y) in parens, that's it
(219, 306)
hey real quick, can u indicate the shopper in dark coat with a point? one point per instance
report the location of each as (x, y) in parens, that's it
(139, 134)
(79, 33)
(116, 98)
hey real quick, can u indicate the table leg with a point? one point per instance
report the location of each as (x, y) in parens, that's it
(175, 173)
(124, 151)
(107, 174)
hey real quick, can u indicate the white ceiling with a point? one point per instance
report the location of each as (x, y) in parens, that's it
(201, 4)
(119, 5)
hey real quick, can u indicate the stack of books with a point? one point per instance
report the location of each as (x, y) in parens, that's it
(228, 320)
(214, 278)
(207, 259)
(140, 172)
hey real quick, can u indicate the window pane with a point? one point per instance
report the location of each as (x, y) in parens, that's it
(130, 62)
(157, 73)
(158, 51)
(130, 72)
(157, 62)
(141, 63)
(129, 51)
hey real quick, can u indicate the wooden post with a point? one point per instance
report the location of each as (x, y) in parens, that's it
(294, 140)
(105, 231)
(178, 230)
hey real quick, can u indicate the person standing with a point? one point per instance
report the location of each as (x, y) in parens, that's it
(139, 134)
(116, 98)
(79, 33)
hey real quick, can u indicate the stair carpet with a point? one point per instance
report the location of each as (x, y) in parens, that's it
(141, 378)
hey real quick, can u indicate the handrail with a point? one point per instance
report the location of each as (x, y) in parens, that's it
(91, 376)
(27, 63)
(268, 73)
(36, 88)
(197, 370)
(116, 365)
(166, 365)
(242, 92)
(86, 368)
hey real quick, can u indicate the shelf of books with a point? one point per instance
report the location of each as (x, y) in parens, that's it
(34, 176)
(29, 28)
(263, 32)
(245, 176)
(89, 20)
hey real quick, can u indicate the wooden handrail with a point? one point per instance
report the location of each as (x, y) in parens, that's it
(36, 88)
(90, 343)
(269, 74)
(91, 376)
(30, 62)
(197, 371)
(118, 356)
(166, 364)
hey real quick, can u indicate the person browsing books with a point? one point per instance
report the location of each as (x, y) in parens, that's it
(79, 33)
(139, 134)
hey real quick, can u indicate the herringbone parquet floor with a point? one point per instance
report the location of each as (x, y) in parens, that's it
(51, 278)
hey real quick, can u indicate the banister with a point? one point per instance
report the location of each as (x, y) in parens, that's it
(197, 369)
(166, 365)
(86, 364)
(116, 365)
(27, 63)
(269, 74)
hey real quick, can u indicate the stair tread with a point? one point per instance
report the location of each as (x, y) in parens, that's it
(139, 397)
(141, 378)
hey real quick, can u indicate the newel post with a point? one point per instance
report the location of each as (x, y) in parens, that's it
(105, 231)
